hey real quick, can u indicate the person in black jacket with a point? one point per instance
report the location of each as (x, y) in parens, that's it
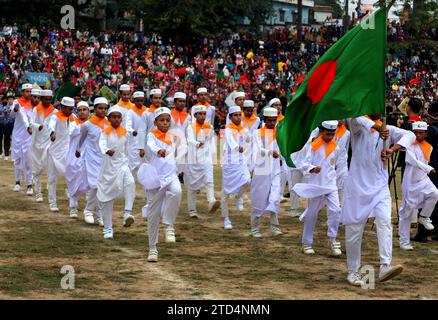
(432, 138)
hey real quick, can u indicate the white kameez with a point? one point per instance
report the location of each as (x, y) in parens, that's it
(135, 144)
(200, 161)
(180, 130)
(366, 191)
(40, 141)
(235, 173)
(21, 141)
(114, 176)
(265, 183)
(75, 172)
(58, 149)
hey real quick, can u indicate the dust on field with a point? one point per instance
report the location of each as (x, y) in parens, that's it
(206, 262)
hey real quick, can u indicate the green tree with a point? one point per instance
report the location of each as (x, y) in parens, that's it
(202, 17)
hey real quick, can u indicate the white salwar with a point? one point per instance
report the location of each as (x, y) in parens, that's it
(21, 142)
(418, 191)
(75, 171)
(265, 182)
(166, 199)
(40, 146)
(57, 154)
(366, 191)
(320, 189)
(200, 160)
(115, 179)
(235, 173)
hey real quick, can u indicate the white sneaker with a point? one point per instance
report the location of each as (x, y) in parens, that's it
(74, 213)
(53, 208)
(88, 217)
(355, 279)
(388, 272)
(108, 234)
(407, 247)
(153, 255)
(307, 249)
(256, 233)
(6, 158)
(16, 188)
(193, 214)
(29, 191)
(335, 246)
(39, 198)
(227, 224)
(213, 206)
(170, 234)
(426, 222)
(129, 221)
(99, 221)
(275, 231)
(294, 213)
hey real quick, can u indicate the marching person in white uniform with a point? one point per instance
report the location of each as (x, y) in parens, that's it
(417, 189)
(366, 193)
(88, 148)
(322, 158)
(22, 136)
(251, 122)
(202, 95)
(160, 180)
(41, 139)
(115, 179)
(200, 159)
(57, 154)
(75, 171)
(265, 182)
(148, 117)
(235, 173)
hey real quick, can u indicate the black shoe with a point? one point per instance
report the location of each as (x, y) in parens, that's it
(286, 195)
(419, 239)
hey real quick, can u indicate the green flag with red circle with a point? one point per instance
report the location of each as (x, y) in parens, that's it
(347, 81)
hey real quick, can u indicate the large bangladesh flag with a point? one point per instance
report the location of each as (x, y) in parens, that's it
(347, 81)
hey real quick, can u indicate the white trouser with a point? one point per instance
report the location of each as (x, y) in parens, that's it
(353, 242)
(27, 170)
(73, 202)
(166, 202)
(129, 198)
(255, 221)
(284, 177)
(52, 180)
(225, 197)
(314, 205)
(92, 203)
(406, 214)
(37, 184)
(107, 215)
(296, 176)
(191, 196)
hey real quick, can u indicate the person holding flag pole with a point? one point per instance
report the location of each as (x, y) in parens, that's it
(348, 81)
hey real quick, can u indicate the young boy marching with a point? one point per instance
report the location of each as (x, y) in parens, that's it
(115, 179)
(22, 136)
(148, 117)
(41, 139)
(164, 198)
(322, 158)
(417, 189)
(200, 160)
(202, 95)
(137, 132)
(57, 154)
(251, 122)
(235, 173)
(75, 172)
(179, 122)
(88, 148)
(265, 183)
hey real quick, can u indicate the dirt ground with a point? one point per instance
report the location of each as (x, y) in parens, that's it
(206, 262)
